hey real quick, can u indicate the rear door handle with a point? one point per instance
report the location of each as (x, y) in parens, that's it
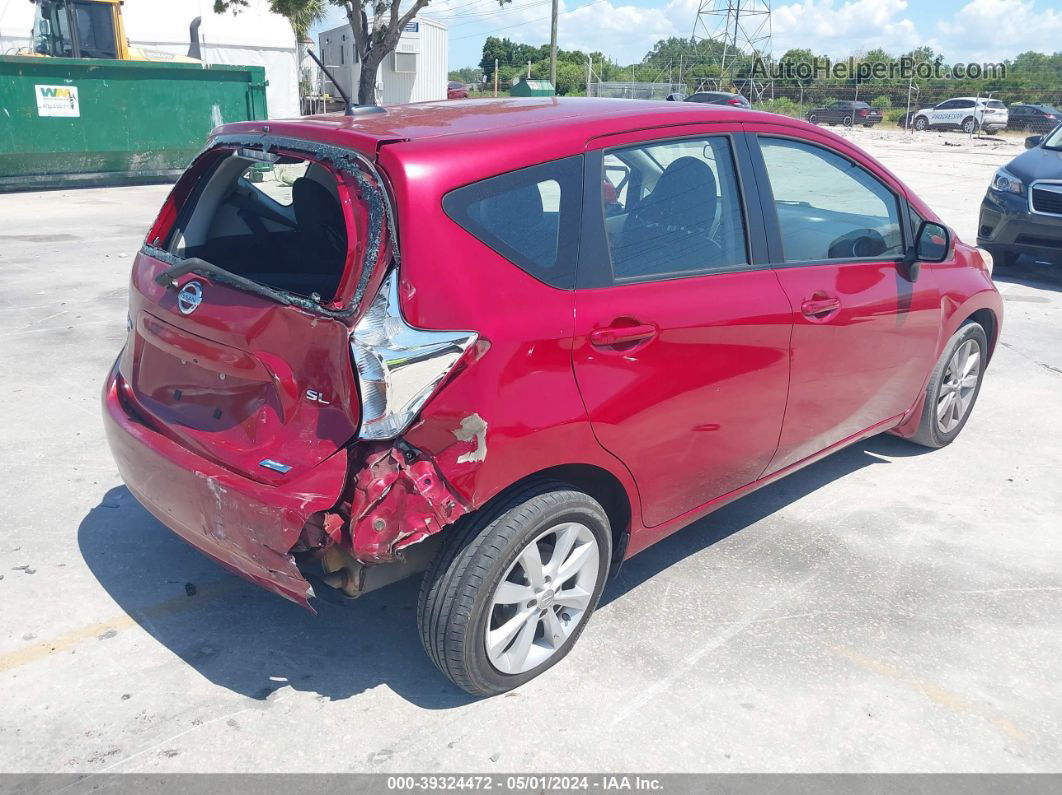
(622, 335)
(817, 307)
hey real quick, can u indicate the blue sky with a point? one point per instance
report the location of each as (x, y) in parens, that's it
(964, 30)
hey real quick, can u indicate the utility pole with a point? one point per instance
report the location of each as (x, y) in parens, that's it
(553, 47)
(495, 77)
(589, 75)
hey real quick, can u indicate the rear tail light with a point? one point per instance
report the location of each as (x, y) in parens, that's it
(734, 101)
(399, 367)
(863, 111)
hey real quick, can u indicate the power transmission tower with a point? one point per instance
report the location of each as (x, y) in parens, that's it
(553, 47)
(742, 27)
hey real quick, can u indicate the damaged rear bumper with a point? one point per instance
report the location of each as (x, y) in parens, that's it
(247, 527)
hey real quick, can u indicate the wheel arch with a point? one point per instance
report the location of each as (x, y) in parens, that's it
(990, 323)
(596, 481)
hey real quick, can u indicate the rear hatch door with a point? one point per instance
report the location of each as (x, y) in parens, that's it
(256, 379)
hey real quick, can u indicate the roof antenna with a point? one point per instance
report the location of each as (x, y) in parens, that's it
(349, 106)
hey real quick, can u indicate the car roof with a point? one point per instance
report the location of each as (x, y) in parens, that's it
(516, 117)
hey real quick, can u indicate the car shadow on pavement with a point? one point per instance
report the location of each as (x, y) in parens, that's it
(1043, 276)
(753, 508)
(254, 643)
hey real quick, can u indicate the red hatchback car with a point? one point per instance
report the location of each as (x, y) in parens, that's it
(515, 342)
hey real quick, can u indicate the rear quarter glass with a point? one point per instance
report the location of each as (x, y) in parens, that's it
(530, 216)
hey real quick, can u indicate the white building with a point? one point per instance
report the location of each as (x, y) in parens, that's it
(415, 72)
(254, 37)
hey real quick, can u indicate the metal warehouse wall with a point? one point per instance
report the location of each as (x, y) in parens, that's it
(429, 43)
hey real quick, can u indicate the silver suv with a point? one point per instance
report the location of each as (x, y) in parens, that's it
(968, 114)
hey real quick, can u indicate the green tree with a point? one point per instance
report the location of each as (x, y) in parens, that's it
(376, 25)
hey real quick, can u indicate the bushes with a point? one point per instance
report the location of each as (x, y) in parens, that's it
(782, 105)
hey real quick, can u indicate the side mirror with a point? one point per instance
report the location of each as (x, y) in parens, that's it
(932, 244)
(1033, 141)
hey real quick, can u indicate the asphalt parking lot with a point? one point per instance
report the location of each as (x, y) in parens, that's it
(887, 609)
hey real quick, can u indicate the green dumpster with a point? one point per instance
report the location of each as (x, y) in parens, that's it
(532, 88)
(67, 121)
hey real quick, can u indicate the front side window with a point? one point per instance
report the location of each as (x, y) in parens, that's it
(529, 216)
(828, 207)
(673, 209)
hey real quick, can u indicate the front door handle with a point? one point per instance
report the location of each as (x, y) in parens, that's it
(622, 335)
(820, 306)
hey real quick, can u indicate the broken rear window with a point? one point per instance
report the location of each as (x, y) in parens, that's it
(280, 224)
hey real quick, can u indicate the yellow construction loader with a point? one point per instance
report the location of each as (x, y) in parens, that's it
(93, 29)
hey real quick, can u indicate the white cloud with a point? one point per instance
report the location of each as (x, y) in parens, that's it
(842, 29)
(991, 30)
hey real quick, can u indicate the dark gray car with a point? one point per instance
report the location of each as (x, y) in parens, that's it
(1022, 210)
(719, 98)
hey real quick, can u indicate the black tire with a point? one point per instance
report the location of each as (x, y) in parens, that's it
(969, 125)
(847, 121)
(868, 126)
(930, 433)
(455, 598)
(991, 131)
(921, 123)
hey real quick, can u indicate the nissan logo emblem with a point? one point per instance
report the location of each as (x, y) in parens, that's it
(190, 297)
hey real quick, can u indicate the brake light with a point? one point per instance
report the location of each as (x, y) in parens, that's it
(163, 222)
(399, 367)
(734, 101)
(863, 111)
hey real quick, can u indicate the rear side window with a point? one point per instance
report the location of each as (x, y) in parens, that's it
(529, 216)
(673, 209)
(828, 207)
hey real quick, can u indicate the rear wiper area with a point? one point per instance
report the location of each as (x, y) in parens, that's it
(179, 267)
(168, 278)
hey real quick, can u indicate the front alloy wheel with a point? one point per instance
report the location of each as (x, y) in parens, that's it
(957, 390)
(953, 386)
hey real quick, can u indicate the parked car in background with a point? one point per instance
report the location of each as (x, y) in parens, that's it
(968, 114)
(305, 403)
(1022, 209)
(906, 120)
(675, 96)
(718, 98)
(846, 113)
(1033, 118)
(456, 90)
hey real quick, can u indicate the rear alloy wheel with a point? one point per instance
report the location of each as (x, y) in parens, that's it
(969, 125)
(920, 123)
(847, 121)
(953, 387)
(511, 590)
(813, 119)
